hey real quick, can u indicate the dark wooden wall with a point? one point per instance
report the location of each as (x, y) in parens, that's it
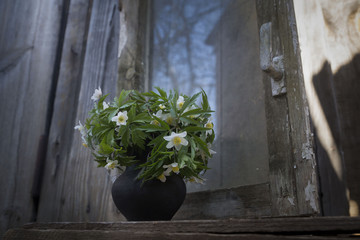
(53, 54)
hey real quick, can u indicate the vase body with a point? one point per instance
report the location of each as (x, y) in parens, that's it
(150, 201)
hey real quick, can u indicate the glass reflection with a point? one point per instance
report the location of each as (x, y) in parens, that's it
(213, 45)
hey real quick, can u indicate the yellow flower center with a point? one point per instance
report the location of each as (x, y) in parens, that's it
(169, 120)
(209, 125)
(177, 140)
(162, 178)
(121, 119)
(175, 169)
(181, 104)
(192, 180)
(85, 145)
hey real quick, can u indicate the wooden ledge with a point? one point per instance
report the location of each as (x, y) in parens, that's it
(263, 228)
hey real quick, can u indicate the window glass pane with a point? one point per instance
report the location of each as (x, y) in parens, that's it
(213, 45)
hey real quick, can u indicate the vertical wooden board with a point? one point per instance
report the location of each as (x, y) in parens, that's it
(28, 45)
(132, 42)
(304, 164)
(63, 120)
(85, 190)
(282, 185)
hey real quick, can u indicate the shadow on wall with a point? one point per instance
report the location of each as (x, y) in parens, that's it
(339, 96)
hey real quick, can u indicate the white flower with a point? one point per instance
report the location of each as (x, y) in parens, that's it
(120, 118)
(197, 180)
(105, 105)
(97, 94)
(168, 119)
(209, 124)
(162, 106)
(111, 164)
(212, 152)
(189, 109)
(180, 102)
(83, 132)
(176, 139)
(158, 115)
(162, 177)
(174, 167)
(81, 128)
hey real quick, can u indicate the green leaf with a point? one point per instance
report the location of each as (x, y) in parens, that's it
(201, 144)
(195, 129)
(105, 148)
(110, 138)
(142, 118)
(138, 139)
(137, 96)
(100, 102)
(190, 120)
(189, 102)
(125, 137)
(205, 103)
(158, 139)
(162, 92)
(197, 111)
(123, 95)
(192, 147)
(127, 104)
(112, 113)
(173, 105)
(122, 130)
(162, 123)
(131, 114)
(150, 128)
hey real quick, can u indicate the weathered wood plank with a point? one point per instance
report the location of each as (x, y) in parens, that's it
(245, 201)
(304, 225)
(84, 191)
(132, 43)
(302, 142)
(28, 45)
(62, 125)
(100, 235)
(283, 189)
(266, 228)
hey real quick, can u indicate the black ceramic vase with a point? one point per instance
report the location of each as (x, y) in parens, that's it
(151, 201)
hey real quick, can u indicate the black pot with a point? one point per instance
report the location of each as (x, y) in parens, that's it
(150, 201)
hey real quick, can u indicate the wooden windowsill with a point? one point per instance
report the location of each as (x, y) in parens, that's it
(262, 228)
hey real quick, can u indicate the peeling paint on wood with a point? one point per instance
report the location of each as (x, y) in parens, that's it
(290, 121)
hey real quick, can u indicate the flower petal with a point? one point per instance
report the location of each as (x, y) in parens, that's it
(178, 147)
(184, 142)
(168, 138)
(183, 134)
(170, 144)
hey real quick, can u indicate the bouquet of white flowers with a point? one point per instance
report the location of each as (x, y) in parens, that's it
(170, 131)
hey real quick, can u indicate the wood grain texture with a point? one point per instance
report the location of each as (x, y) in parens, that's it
(278, 126)
(294, 178)
(245, 201)
(302, 142)
(101, 235)
(76, 190)
(28, 44)
(63, 121)
(268, 228)
(260, 225)
(133, 24)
